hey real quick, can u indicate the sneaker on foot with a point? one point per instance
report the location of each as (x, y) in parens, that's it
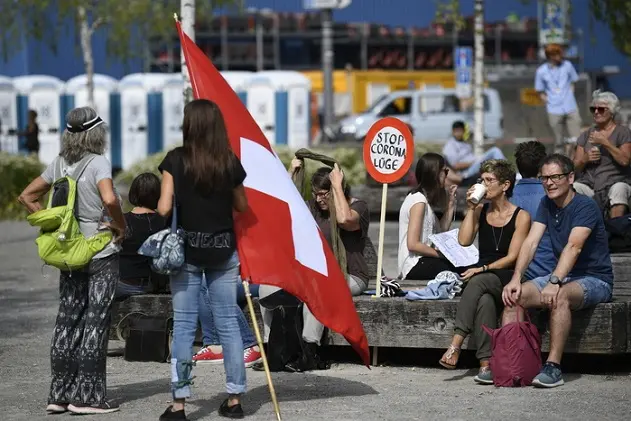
(235, 411)
(84, 409)
(550, 376)
(207, 356)
(57, 408)
(170, 414)
(251, 356)
(484, 376)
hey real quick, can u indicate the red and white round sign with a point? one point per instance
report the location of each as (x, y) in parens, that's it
(388, 150)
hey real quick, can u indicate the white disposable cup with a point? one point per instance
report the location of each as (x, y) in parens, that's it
(479, 191)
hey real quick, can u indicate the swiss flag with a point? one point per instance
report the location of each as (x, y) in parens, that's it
(279, 242)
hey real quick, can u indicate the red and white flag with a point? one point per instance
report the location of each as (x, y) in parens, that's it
(279, 242)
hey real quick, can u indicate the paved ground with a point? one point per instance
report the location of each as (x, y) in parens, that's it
(346, 392)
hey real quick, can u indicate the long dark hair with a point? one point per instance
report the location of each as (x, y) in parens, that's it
(427, 174)
(208, 157)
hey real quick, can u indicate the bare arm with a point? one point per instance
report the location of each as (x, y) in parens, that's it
(347, 218)
(621, 155)
(469, 227)
(571, 251)
(112, 205)
(580, 158)
(31, 195)
(415, 232)
(165, 204)
(522, 227)
(461, 166)
(240, 200)
(527, 250)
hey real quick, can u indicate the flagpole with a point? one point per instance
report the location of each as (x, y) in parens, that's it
(257, 332)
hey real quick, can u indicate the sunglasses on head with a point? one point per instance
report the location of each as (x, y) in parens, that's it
(601, 110)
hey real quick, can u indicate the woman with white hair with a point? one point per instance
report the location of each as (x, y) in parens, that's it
(602, 157)
(79, 346)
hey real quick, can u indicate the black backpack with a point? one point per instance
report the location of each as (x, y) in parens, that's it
(284, 344)
(619, 230)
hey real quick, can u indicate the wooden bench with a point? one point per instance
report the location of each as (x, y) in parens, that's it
(397, 322)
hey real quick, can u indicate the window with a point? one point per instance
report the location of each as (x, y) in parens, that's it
(398, 106)
(447, 103)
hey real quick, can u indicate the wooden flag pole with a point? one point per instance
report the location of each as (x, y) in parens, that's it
(382, 231)
(259, 340)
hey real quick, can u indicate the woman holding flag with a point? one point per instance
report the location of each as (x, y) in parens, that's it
(206, 179)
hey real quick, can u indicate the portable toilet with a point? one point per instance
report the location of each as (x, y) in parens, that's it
(141, 116)
(238, 82)
(172, 110)
(42, 94)
(280, 101)
(8, 116)
(106, 104)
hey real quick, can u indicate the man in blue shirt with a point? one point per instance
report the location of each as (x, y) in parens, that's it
(527, 195)
(554, 81)
(583, 276)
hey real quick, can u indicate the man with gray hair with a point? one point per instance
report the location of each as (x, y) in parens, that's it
(603, 155)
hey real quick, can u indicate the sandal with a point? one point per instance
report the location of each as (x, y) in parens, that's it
(449, 354)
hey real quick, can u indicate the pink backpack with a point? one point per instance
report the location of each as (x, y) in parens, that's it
(516, 355)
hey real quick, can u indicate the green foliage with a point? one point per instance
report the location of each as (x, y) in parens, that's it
(17, 172)
(128, 24)
(617, 15)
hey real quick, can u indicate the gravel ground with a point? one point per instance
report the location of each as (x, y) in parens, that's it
(346, 392)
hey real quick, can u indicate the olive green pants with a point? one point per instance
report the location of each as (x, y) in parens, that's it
(480, 305)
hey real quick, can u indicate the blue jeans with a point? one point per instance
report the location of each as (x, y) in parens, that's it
(209, 330)
(124, 290)
(221, 282)
(493, 153)
(595, 291)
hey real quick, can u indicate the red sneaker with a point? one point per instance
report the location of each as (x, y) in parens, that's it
(206, 356)
(252, 355)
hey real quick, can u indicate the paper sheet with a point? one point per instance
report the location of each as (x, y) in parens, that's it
(447, 244)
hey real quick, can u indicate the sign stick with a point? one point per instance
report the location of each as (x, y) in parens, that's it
(382, 232)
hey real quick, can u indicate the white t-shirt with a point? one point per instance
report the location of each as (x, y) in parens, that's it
(431, 225)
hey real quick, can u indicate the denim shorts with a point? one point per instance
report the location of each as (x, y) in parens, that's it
(595, 291)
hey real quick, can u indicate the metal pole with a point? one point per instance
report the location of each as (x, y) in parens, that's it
(187, 11)
(327, 65)
(478, 78)
(259, 43)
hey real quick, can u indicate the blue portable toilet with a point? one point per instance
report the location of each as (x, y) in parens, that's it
(142, 125)
(238, 82)
(280, 103)
(172, 110)
(8, 116)
(105, 104)
(42, 94)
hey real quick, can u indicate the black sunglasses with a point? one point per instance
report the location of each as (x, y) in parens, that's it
(601, 110)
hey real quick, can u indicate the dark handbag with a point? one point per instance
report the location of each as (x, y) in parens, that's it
(285, 338)
(149, 338)
(619, 230)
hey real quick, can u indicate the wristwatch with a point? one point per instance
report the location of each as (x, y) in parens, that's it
(554, 280)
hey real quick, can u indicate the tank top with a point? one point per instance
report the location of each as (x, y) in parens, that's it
(495, 241)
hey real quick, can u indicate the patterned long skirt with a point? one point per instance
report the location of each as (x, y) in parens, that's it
(79, 346)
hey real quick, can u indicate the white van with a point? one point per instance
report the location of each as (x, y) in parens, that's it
(429, 113)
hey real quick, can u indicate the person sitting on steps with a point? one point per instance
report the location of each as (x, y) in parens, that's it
(502, 227)
(417, 259)
(344, 222)
(583, 276)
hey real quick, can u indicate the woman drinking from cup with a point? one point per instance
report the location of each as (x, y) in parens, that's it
(502, 227)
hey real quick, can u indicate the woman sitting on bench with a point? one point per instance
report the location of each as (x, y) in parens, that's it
(503, 227)
(136, 276)
(417, 220)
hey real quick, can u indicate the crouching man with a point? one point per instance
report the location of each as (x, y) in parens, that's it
(583, 276)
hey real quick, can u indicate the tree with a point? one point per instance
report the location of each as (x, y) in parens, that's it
(128, 25)
(617, 15)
